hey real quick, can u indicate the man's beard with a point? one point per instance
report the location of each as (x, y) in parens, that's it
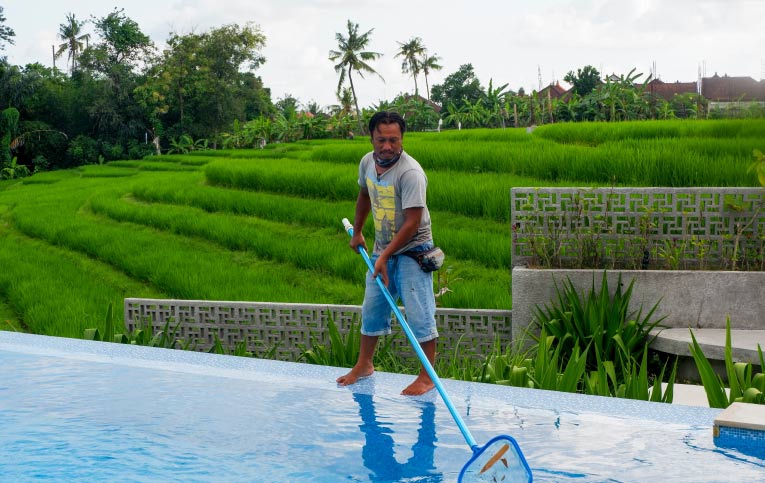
(384, 163)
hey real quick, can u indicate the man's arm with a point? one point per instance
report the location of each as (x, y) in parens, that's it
(363, 207)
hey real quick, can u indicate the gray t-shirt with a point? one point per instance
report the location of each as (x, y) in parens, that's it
(402, 186)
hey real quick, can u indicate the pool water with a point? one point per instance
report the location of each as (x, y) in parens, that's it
(76, 410)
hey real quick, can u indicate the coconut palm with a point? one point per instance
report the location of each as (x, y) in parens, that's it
(410, 52)
(71, 33)
(428, 64)
(351, 56)
(345, 100)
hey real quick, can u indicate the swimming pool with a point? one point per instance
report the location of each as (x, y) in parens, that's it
(74, 410)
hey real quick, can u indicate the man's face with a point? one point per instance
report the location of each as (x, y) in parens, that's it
(387, 139)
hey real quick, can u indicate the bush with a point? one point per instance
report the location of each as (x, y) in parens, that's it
(112, 152)
(139, 150)
(599, 322)
(82, 150)
(40, 163)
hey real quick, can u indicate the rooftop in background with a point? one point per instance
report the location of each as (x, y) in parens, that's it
(729, 89)
(715, 88)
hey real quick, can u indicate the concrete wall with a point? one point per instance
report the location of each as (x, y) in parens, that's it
(696, 299)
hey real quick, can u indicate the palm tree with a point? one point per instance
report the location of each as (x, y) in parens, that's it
(410, 53)
(427, 64)
(350, 55)
(345, 98)
(70, 33)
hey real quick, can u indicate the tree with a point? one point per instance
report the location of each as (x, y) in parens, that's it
(226, 52)
(584, 81)
(455, 115)
(350, 55)
(287, 106)
(71, 33)
(203, 82)
(345, 99)
(459, 88)
(495, 104)
(13, 85)
(9, 124)
(410, 52)
(122, 42)
(419, 113)
(6, 33)
(428, 64)
(110, 67)
(622, 99)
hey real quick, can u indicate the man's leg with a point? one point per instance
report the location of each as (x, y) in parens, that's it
(364, 366)
(423, 383)
(375, 321)
(416, 289)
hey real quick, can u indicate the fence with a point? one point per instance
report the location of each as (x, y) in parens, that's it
(638, 228)
(285, 328)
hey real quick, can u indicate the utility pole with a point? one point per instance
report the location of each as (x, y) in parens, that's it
(539, 77)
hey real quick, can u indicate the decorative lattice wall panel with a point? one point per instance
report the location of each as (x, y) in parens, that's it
(638, 228)
(282, 329)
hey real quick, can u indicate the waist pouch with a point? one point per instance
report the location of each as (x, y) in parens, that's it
(429, 260)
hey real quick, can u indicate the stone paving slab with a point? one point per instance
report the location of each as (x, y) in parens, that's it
(742, 415)
(712, 341)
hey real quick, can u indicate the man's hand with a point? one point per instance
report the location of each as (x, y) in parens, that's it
(381, 268)
(358, 240)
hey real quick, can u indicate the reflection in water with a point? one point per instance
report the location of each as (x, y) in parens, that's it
(378, 447)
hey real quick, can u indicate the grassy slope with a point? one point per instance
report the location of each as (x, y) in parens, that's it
(72, 242)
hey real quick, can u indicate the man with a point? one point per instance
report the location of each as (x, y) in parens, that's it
(392, 186)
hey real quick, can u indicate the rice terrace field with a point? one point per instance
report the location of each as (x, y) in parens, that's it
(264, 225)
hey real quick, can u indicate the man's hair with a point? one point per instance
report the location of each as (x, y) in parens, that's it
(386, 117)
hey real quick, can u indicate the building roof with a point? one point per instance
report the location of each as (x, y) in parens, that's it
(668, 90)
(556, 91)
(729, 89)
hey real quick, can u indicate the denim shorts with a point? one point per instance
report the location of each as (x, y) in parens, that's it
(406, 281)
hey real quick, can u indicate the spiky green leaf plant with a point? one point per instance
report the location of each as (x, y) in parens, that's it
(743, 385)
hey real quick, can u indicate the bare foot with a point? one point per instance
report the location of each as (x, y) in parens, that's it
(355, 374)
(420, 386)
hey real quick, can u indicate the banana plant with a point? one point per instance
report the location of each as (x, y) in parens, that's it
(13, 170)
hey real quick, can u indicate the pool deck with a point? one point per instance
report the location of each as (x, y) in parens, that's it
(689, 405)
(690, 395)
(744, 343)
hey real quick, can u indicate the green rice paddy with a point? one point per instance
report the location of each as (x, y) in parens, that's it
(264, 225)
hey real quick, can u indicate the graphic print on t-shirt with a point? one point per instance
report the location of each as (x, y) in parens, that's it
(383, 197)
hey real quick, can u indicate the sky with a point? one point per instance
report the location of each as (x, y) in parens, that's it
(522, 44)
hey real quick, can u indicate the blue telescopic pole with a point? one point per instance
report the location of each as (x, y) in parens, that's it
(415, 345)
